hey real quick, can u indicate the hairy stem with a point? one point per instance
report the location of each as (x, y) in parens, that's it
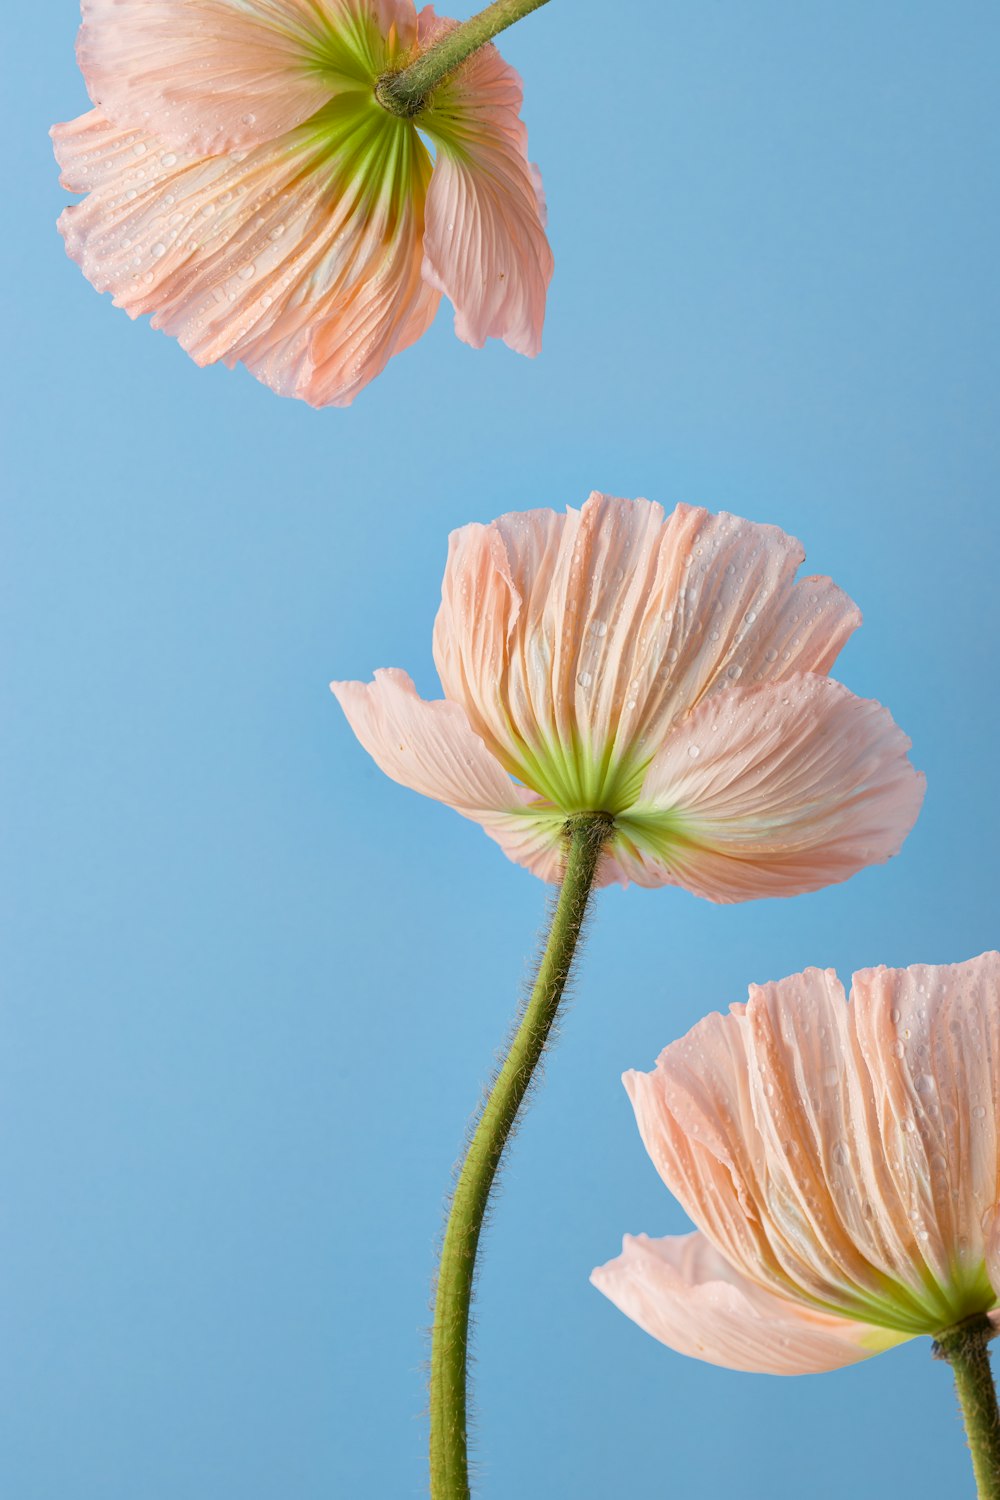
(965, 1349)
(403, 93)
(587, 835)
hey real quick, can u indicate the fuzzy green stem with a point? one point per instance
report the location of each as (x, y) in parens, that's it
(587, 835)
(965, 1349)
(404, 93)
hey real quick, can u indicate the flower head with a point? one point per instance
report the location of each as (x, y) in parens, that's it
(842, 1163)
(667, 671)
(245, 186)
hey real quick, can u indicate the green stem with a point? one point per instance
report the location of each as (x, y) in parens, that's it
(965, 1349)
(587, 835)
(404, 93)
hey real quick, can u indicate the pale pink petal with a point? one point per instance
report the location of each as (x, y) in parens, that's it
(835, 1217)
(992, 1227)
(484, 244)
(930, 1039)
(594, 633)
(214, 75)
(774, 791)
(430, 747)
(540, 619)
(794, 1148)
(684, 1293)
(309, 278)
(695, 1116)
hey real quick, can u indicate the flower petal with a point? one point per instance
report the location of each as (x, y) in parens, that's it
(430, 747)
(211, 75)
(582, 639)
(780, 1137)
(484, 244)
(993, 1260)
(304, 267)
(771, 792)
(684, 1293)
(538, 626)
(930, 1039)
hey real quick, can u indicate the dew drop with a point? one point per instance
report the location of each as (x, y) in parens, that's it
(139, 149)
(584, 679)
(694, 751)
(247, 271)
(158, 249)
(168, 158)
(979, 1112)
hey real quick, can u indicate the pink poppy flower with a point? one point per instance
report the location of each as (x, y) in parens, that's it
(670, 672)
(842, 1163)
(246, 188)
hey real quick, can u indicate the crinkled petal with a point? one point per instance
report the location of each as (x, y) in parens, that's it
(577, 642)
(773, 791)
(794, 1148)
(993, 1259)
(930, 1039)
(430, 747)
(303, 266)
(485, 244)
(214, 75)
(684, 1293)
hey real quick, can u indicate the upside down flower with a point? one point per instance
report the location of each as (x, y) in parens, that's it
(245, 186)
(842, 1163)
(669, 672)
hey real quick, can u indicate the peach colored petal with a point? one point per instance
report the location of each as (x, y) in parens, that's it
(818, 1163)
(930, 1039)
(485, 244)
(429, 747)
(213, 75)
(684, 1293)
(992, 1227)
(772, 791)
(585, 638)
(311, 278)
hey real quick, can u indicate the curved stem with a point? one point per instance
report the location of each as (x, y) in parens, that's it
(965, 1349)
(587, 833)
(404, 93)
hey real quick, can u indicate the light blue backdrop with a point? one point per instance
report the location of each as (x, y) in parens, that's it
(251, 986)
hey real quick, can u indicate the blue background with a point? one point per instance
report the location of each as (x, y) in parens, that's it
(252, 986)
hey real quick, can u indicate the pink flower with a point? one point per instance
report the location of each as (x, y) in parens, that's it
(842, 1164)
(669, 672)
(245, 187)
